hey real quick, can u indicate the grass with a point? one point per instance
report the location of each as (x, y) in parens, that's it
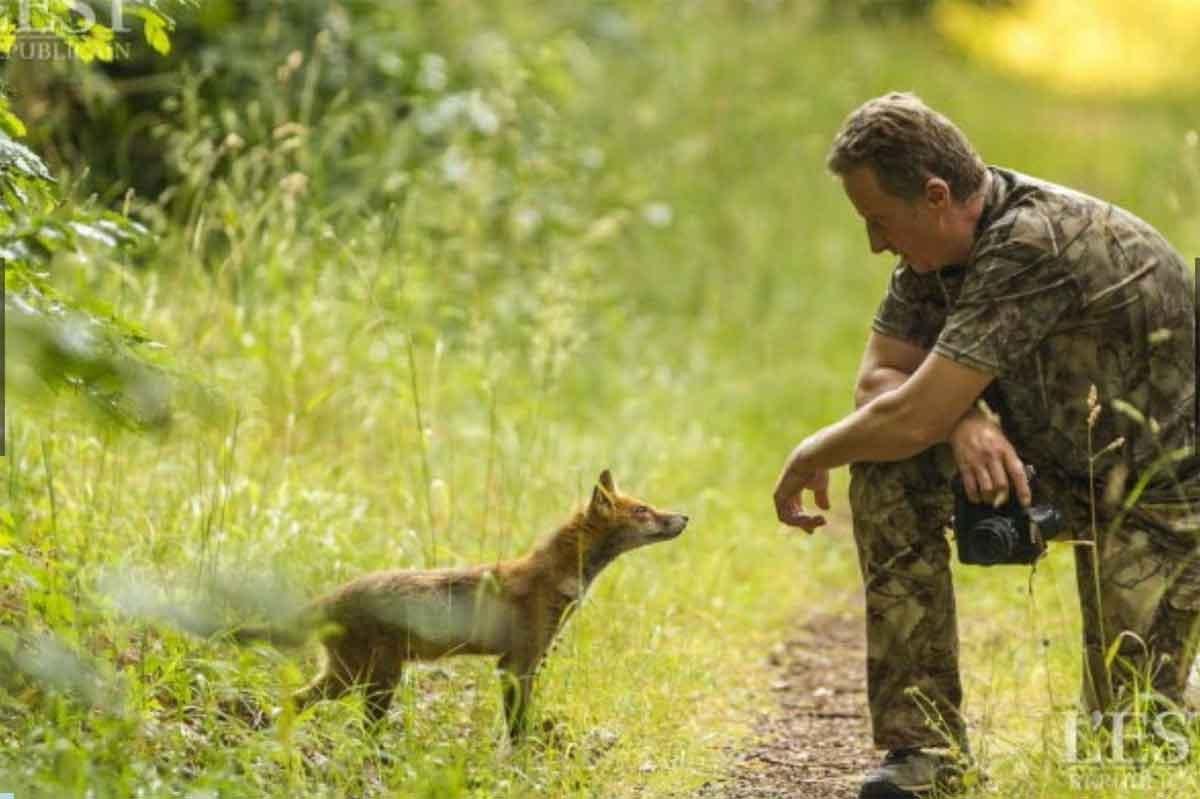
(408, 386)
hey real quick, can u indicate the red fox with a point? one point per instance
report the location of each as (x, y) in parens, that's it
(374, 624)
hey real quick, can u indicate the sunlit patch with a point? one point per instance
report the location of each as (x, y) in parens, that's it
(1084, 46)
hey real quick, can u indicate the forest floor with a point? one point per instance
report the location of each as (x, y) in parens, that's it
(816, 743)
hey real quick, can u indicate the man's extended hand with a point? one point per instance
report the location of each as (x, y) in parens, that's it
(987, 462)
(797, 477)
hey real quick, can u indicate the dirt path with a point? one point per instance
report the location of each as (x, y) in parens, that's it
(817, 743)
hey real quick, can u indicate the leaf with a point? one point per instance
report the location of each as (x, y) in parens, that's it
(155, 28)
(10, 123)
(101, 39)
(8, 35)
(18, 157)
(85, 50)
(95, 233)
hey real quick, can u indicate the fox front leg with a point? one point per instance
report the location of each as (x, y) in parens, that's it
(517, 681)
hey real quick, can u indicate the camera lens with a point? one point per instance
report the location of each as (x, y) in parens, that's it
(994, 540)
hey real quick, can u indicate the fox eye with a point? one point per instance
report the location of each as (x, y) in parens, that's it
(641, 510)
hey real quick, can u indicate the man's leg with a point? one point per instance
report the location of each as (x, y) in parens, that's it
(900, 511)
(1149, 599)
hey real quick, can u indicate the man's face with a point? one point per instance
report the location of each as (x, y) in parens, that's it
(916, 230)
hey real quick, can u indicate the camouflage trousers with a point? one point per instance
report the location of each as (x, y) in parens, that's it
(1146, 567)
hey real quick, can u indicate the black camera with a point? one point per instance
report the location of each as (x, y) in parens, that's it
(992, 536)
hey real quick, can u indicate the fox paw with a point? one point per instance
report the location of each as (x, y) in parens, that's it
(553, 732)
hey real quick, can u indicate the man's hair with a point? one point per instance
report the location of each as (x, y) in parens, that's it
(906, 142)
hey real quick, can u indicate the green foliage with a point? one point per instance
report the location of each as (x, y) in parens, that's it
(55, 339)
(450, 260)
(58, 339)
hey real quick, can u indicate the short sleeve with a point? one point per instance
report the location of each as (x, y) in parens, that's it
(1018, 288)
(913, 309)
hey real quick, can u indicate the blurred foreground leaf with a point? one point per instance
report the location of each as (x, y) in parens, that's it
(55, 341)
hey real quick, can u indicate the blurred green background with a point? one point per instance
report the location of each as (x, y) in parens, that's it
(407, 277)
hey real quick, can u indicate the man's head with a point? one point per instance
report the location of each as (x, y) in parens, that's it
(914, 177)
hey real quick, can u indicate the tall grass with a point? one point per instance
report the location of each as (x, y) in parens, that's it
(432, 343)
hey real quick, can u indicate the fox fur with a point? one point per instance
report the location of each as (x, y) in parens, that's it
(373, 625)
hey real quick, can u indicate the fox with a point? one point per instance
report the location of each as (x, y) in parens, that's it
(372, 626)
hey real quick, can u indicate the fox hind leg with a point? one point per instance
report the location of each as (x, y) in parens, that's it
(380, 689)
(338, 676)
(329, 684)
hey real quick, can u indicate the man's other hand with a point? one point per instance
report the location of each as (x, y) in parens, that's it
(987, 462)
(789, 493)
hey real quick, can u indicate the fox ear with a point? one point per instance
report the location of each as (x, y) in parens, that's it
(606, 480)
(602, 501)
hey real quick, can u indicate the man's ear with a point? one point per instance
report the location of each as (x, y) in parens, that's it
(937, 193)
(606, 480)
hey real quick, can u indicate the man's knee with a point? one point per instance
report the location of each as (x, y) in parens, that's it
(922, 481)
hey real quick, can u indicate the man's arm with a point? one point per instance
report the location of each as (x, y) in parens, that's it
(900, 423)
(886, 363)
(897, 424)
(980, 447)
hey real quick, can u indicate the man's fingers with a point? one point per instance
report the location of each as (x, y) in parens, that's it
(999, 481)
(792, 512)
(983, 479)
(788, 508)
(783, 510)
(813, 522)
(822, 497)
(806, 522)
(970, 487)
(1020, 482)
(784, 490)
(785, 496)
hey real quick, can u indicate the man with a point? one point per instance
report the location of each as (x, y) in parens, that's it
(1025, 324)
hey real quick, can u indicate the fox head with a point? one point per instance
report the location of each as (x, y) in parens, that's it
(627, 523)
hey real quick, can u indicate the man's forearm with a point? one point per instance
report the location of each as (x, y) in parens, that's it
(883, 379)
(882, 430)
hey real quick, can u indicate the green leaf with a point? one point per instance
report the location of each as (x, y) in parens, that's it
(101, 42)
(8, 35)
(17, 157)
(155, 27)
(10, 123)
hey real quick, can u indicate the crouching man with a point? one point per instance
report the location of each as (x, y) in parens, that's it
(1025, 324)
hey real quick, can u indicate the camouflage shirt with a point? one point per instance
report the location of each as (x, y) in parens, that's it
(1062, 292)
